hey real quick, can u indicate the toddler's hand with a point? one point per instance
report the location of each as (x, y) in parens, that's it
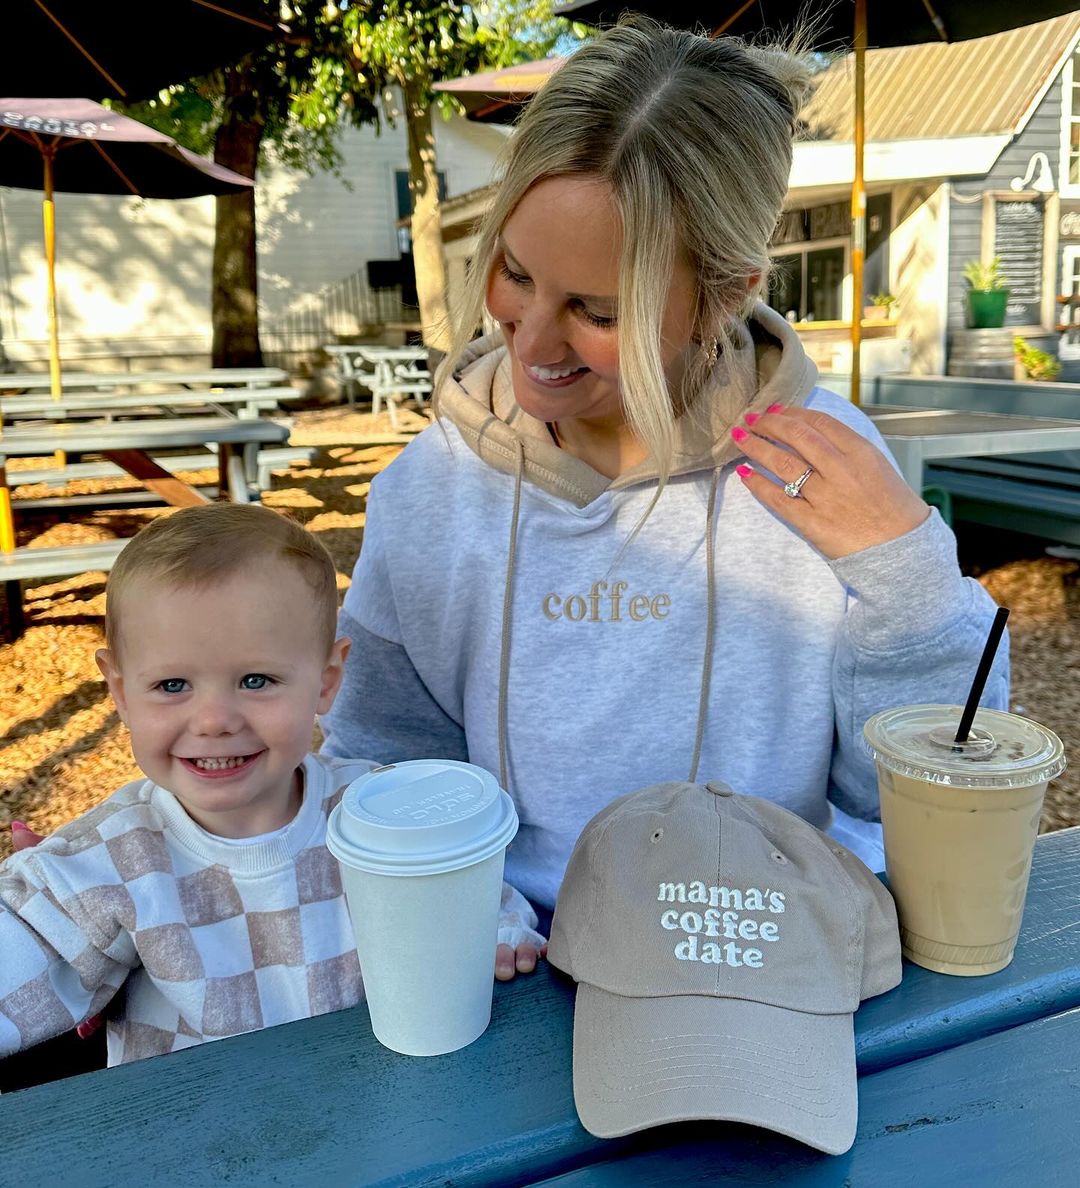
(519, 944)
(22, 838)
(509, 962)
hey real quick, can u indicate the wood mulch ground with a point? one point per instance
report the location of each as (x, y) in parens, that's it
(62, 748)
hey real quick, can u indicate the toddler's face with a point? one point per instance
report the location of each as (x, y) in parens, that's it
(219, 688)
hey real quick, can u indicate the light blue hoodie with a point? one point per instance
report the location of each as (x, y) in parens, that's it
(498, 615)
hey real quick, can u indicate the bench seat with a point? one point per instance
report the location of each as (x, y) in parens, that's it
(1030, 467)
(269, 460)
(28, 564)
(1015, 493)
(140, 498)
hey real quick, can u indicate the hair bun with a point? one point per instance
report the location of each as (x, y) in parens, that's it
(789, 69)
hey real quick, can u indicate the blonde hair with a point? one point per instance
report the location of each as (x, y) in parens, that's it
(204, 545)
(694, 138)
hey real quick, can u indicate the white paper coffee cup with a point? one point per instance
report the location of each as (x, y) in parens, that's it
(421, 847)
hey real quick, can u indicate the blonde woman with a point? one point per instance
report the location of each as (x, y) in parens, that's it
(641, 544)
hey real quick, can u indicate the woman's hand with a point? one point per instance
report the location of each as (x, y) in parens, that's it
(853, 498)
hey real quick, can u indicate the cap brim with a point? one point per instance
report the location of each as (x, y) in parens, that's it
(641, 1062)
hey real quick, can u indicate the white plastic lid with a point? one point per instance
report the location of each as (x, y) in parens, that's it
(1003, 750)
(421, 817)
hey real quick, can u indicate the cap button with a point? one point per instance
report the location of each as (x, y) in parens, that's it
(719, 789)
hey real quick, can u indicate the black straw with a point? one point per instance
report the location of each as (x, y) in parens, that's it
(985, 662)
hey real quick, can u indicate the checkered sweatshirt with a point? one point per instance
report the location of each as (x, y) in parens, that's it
(206, 939)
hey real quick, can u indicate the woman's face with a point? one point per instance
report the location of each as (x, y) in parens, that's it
(554, 290)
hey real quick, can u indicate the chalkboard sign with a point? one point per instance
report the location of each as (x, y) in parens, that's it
(1018, 240)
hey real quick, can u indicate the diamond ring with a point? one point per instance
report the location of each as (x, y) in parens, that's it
(794, 489)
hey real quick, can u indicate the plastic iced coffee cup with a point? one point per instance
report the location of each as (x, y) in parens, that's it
(421, 847)
(960, 822)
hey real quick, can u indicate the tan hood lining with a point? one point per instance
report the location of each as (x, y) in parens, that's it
(479, 401)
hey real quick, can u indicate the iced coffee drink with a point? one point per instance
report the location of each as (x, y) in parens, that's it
(960, 822)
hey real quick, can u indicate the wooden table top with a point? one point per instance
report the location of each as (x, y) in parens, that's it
(899, 421)
(41, 406)
(219, 376)
(962, 1081)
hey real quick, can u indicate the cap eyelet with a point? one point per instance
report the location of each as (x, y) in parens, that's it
(657, 835)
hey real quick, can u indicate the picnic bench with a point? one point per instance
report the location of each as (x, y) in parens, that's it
(962, 1081)
(388, 373)
(1013, 488)
(134, 447)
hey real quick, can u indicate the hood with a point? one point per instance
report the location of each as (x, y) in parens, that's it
(769, 366)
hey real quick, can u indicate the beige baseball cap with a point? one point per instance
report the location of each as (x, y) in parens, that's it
(721, 946)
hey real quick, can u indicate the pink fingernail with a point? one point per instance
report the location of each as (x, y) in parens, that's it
(739, 434)
(775, 408)
(752, 418)
(19, 825)
(744, 471)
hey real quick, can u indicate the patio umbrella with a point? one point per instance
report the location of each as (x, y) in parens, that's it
(855, 23)
(79, 147)
(495, 96)
(125, 49)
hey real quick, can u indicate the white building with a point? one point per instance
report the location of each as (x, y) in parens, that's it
(133, 275)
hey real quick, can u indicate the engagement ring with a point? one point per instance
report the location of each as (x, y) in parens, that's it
(794, 490)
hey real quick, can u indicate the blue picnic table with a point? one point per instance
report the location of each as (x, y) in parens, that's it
(962, 1081)
(996, 452)
(918, 436)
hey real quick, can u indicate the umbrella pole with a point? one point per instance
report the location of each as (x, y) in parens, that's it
(49, 220)
(858, 200)
(7, 521)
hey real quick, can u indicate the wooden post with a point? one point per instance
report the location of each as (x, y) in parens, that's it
(140, 465)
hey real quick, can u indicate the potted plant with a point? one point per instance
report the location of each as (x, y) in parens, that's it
(1033, 363)
(882, 305)
(988, 295)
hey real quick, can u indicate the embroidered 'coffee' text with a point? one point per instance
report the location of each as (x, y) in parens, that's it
(604, 604)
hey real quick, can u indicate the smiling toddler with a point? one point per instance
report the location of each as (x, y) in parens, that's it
(204, 891)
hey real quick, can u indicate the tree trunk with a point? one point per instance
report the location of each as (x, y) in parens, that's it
(234, 303)
(428, 259)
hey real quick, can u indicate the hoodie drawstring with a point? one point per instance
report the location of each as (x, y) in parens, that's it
(508, 598)
(710, 627)
(507, 616)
